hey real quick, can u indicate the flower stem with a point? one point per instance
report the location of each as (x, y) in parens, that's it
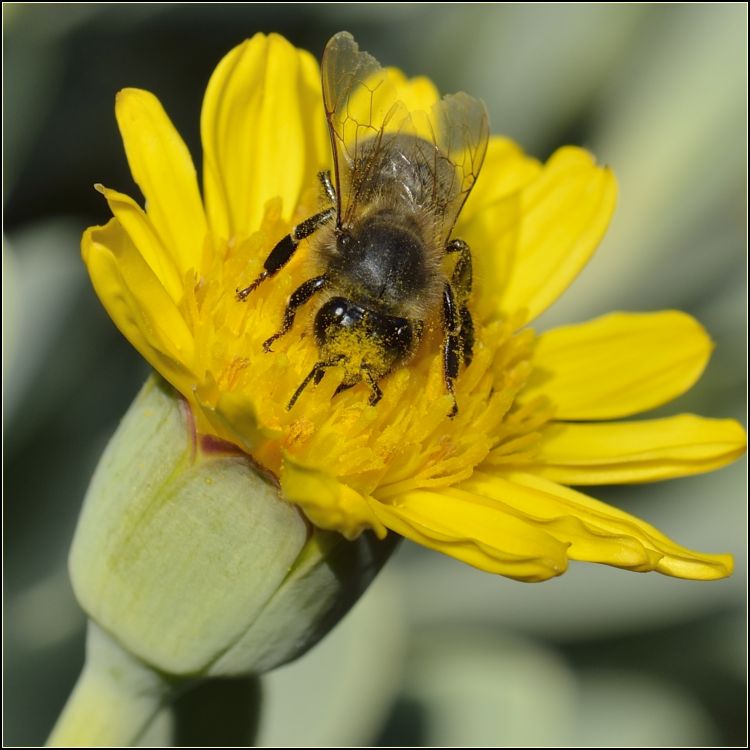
(113, 701)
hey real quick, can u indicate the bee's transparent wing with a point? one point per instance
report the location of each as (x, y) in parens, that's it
(377, 127)
(359, 100)
(461, 133)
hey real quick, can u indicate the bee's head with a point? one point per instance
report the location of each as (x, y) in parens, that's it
(362, 338)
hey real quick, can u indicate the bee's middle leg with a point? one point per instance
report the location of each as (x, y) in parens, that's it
(299, 296)
(286, 247)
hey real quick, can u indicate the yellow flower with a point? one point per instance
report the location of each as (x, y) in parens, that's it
(489, 486)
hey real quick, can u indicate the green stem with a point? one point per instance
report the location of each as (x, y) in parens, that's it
(113, 701)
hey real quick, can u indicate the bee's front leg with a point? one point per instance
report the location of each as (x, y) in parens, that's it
(315, 375)
(299, 296)
(375, 393)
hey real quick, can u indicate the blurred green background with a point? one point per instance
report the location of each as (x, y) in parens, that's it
(436, 653)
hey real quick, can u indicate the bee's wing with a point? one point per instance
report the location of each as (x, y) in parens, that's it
(461, 133)
(439, 152)
(358, 98)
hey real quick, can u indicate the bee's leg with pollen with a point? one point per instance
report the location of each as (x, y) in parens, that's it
(376, 394)
(299, 296)
(285, 249)
(316, 375)
(466, 335)
(451, 343)
(325, 181)
(461, 283)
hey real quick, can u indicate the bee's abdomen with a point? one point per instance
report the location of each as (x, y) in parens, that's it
(382, 260)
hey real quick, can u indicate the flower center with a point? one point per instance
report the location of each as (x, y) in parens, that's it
(404, 442)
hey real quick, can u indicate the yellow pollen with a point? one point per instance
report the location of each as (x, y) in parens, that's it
(405, 441)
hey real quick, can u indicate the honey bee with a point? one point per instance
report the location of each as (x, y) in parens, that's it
(402, 177)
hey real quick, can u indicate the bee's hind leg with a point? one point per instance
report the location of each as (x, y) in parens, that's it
(325, 181)
(466, 335)
(451, 343)
(286, 247)
(458, 325)
(461, 282)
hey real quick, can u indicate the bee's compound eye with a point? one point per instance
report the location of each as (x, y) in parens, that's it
(337, 314)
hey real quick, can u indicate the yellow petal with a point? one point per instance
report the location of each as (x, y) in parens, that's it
(491, 220)
(416, 94)
(230, 415)
(596, 531)
(641, 451)
(328, 503)
(506, 170)
(494, 232)
(164, 171)
(461, 525)
(618, 365)
(137, 303)
(263, 132)
(564, 214)
(143, 235)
